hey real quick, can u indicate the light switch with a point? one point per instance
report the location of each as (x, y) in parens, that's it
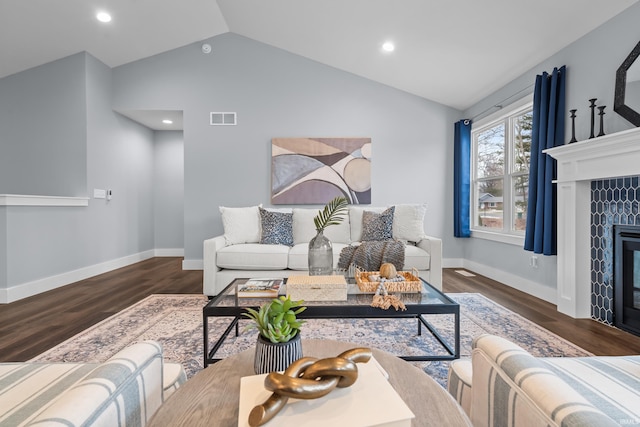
(99, 194)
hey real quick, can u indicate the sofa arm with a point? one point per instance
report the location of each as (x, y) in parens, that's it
(433, 246)
(512, 387)
(125, 390)
(209, 258)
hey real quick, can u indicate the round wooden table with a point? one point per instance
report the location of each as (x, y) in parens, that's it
(211, 397)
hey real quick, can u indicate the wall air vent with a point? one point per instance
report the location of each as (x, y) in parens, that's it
(223, 119)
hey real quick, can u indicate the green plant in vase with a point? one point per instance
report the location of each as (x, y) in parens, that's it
(332, 214)
(320, 249)
(277, 320)
(278, 344)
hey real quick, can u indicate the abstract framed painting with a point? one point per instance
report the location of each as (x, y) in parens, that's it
(315, 170)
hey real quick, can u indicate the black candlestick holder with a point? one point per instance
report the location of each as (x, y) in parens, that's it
(601, 114)
(593, 116)
(573, 126)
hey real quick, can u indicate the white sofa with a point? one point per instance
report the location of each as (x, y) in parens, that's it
(239, 253)
(126, 390)
(503, 385)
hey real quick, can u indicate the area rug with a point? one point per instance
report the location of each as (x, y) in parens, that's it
(176, 322)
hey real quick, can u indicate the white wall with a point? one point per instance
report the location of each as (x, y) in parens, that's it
(168, 191)
(275, 94)
(45, 247)
(278, 94)
(43, 130)
(591, 63)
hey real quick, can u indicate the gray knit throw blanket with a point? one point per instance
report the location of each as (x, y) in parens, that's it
(371, 254)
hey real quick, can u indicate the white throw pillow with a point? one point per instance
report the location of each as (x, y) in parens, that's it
(241, 225)
(304, 228)
(408, 222)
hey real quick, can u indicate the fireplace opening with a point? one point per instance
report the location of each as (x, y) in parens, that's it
(626, 275)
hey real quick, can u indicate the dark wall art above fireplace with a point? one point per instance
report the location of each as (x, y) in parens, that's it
(627, 91)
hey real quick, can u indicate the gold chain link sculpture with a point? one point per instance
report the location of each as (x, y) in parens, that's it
(308, 378)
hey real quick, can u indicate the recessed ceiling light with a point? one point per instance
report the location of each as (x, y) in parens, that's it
(388, 47)
(103, 17)
(167, 121)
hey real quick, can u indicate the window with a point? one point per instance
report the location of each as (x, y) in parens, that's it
(500, 173)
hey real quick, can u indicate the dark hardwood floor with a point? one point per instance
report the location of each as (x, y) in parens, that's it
(593, 336)
(32, 325)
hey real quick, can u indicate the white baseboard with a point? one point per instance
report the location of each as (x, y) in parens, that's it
(28, 289)
(532, 288)
(452, 263)
(192, 264)
(168, 252)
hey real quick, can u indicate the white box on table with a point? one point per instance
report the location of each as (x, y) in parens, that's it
(370, 401)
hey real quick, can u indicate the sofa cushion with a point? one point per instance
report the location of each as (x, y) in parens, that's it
(414, 257)
(377, 226)
(241, 225)
(173, 376)
(299, 255)
(276, 228)
(408, 222)
(304, 229)
(459, 382)
(253, 256)
(355, 220)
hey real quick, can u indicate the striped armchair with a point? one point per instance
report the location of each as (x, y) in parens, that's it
(503, 385)
(126, 390)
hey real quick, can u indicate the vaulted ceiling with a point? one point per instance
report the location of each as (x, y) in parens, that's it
(454, 52)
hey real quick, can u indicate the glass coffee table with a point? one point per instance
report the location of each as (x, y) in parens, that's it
(429, 301)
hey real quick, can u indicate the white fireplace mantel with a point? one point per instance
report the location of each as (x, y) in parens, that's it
(608, 156)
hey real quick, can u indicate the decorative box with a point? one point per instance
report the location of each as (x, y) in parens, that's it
(317, 288)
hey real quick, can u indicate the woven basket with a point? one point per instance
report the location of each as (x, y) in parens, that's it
(411, 283)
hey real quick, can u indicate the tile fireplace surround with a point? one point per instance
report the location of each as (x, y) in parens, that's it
(588, 192)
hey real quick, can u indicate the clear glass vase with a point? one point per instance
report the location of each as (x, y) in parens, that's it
(320, 256)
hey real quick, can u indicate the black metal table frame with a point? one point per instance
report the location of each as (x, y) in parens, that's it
(342, 312)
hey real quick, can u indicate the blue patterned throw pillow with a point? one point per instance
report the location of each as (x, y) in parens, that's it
(377, 226)
(277, 228)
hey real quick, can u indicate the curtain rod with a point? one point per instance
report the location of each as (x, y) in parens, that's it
(499, 105)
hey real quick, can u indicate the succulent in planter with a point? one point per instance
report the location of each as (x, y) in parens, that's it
(276, 320)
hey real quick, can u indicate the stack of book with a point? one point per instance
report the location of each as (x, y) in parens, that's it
(259, 288)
